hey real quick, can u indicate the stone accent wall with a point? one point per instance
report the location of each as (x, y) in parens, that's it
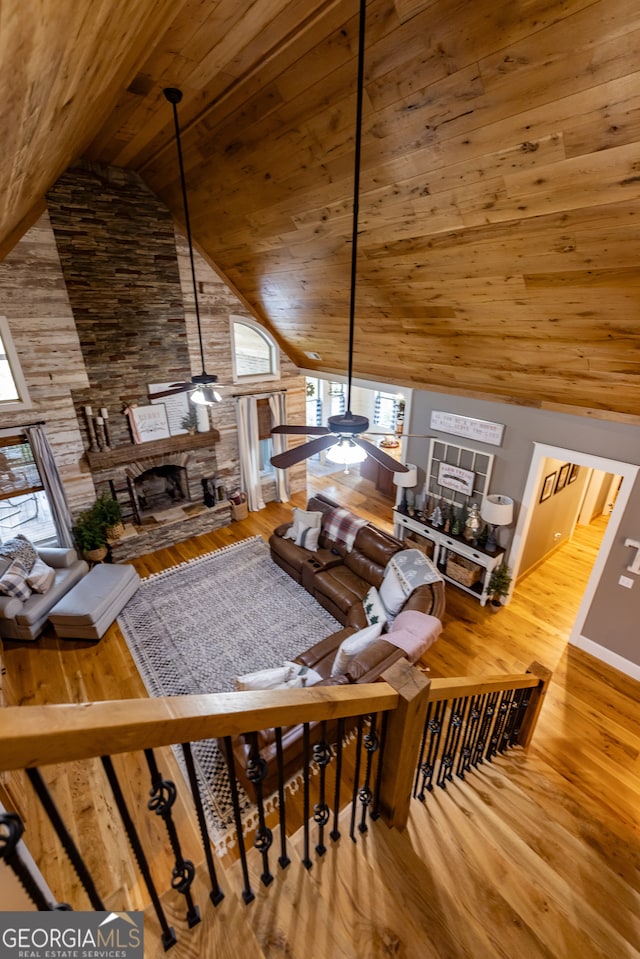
(124, 334)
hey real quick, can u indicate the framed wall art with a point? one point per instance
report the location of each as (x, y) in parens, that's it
(547, 487)
(563, 473)
(573, 473)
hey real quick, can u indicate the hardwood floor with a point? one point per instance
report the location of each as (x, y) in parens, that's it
(542, 862)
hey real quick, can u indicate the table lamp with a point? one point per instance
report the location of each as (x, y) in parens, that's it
(406, 481)
(496, 510)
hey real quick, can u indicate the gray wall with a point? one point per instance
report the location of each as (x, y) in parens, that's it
(614, 615)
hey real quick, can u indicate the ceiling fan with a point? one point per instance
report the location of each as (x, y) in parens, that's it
(201, 386)
(342, 436)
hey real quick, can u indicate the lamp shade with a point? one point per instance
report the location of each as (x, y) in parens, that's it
(497, 510)
(346, 452)
(408, 479)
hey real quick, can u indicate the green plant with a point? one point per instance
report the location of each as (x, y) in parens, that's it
(89, 531)
(499, 582)
(190, 420)
(107, 510)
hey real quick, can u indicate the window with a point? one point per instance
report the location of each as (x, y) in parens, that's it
(13, 389)
(386, 411)
(254, 353)
(24, 507)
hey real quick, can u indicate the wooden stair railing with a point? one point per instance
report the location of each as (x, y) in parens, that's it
(392, 722)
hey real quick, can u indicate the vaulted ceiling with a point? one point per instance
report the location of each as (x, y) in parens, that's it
(499, 233)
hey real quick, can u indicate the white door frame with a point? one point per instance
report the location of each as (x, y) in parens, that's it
(628, 472)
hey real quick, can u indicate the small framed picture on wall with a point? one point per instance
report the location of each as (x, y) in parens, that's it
(547, 487)
(563, 474)
(573, 473)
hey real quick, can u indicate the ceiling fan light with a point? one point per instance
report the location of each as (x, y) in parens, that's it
(205, 396)
(346, 452)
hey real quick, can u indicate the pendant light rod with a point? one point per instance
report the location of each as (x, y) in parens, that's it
(174, 96)
(356, 194)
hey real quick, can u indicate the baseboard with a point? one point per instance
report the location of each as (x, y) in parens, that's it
(607, 656)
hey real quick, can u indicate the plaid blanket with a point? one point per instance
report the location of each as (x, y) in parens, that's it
(413, 569)
(341, 526)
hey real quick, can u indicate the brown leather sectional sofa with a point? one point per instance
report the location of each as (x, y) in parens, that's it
(339, 580)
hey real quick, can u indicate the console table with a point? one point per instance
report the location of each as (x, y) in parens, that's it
(445, 543)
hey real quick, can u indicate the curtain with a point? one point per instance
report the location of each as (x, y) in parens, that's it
(52, 483)
(248, 442)
(278, 407)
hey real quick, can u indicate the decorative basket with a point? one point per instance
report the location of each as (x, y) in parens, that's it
(463, 570)
(114, 532)
(413, 541)
(240, 510)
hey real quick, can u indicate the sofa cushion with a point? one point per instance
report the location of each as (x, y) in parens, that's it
(341, 586)
(39, 604)
(14, 581)
(374, 610)
(352, 646)
(41, 577)
(305, 529)
(368, 665)
(392, 593)
(19, 548)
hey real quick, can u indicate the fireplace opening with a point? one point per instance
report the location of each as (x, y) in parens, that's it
(160, 488)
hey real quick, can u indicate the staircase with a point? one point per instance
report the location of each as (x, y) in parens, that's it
(480, 872)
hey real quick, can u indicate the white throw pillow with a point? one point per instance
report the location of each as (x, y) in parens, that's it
(392, 593)
(305, 530)
(289, 676)
(354, 645)
(373, 608)
(41, 577)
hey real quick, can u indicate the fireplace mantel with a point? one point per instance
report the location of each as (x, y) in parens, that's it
(118, 455)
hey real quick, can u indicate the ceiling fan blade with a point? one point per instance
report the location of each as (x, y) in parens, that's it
(380, 456)
(301, 430)
(291, 457)
(179, 388)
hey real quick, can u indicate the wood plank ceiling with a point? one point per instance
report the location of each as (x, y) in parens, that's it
(500, 172)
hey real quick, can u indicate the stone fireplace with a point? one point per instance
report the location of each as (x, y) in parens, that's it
(163, 485)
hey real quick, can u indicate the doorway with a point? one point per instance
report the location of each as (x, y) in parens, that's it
(534, 489)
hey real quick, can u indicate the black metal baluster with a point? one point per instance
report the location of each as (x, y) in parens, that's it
(247, 893)
(423, 744)
(375, 811)
(335, 832)
(435, 734)
(306, 861)
(256, 773)
(474, 748)
(508, 738)
(11, 830)
(283, 859)
(446, 759)
(65, 838)
(168, 934)
(523, 704)
(322, 756)
(216, 895)
(496, 735)
(163, 794)
(365, 795)
(464, 757)
(485, 727)
(356, 777)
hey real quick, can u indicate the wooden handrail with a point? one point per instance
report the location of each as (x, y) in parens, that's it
(39, 735)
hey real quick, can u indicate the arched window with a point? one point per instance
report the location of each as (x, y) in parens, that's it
(254, 352)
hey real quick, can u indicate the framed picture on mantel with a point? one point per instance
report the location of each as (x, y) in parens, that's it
(149, 423)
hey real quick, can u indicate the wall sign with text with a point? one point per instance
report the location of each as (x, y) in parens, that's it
(482, 430)
(455, 478)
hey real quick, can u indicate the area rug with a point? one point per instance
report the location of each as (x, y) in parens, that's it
(194, 627)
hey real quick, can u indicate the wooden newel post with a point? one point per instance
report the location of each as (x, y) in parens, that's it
(404, 734)
(536, 699)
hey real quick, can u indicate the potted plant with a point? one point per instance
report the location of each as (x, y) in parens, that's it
(499, 583)
(189, 421)
(107, 509)
(90, 535)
